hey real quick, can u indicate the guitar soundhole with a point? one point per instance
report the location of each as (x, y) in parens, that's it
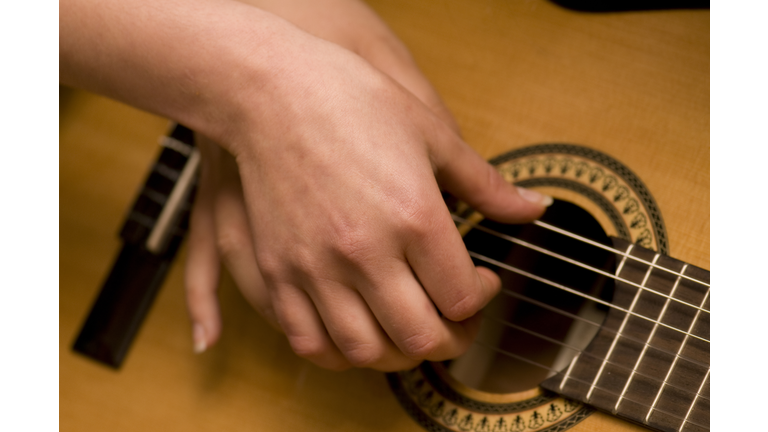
(530, 329)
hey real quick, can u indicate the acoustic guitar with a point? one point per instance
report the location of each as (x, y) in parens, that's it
(608, 113)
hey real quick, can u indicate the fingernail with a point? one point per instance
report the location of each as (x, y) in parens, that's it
(535, 197)
(198, 335)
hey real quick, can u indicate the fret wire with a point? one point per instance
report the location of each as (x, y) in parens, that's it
(176, 145)
(577, 350)
(142, 219)
(573, 291)
(576, 317)
(571, 261)
(623, 324)
(537, 364)
(154, 196)
(648, 341)
(674, 363)
(166, 171)
(610, 249)
(688, 414)
(162, 230)
(568, 372)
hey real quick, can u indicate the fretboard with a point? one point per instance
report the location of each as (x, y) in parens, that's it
(153, 200)
(649, 363)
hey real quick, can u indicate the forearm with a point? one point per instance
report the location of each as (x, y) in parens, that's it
(195, 61)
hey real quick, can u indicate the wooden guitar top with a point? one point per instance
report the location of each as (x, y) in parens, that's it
(632, 85)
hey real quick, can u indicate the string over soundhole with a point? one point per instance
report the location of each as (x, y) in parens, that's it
(534, 328)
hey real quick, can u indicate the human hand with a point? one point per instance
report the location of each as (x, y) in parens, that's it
(367, 269)
(352, 266)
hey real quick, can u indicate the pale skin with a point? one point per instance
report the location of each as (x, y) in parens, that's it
(324, 153)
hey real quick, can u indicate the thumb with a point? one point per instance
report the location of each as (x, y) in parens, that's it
(462, 172)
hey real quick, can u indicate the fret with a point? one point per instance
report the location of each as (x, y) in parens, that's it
(566, 376)
(166, 171)
(160, 183)
(674, 362)
(576, 357)
(149, 223)
(175, 144)
(568, 372)
(579, 318)
(699, 402)
(648, 341)
(628, 399)
(141, 219)
(621, 327)
(155, 196)
(171, 212)
(649, 362)
(627, 351)
(152, 233)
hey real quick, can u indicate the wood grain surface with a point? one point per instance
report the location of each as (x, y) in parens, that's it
(514, 73)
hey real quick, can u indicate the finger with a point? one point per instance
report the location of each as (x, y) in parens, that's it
(355, 330)
(461, 171)
(306, 333)
(438, 257)
(201, 274)
(235, 241)
(410, 319)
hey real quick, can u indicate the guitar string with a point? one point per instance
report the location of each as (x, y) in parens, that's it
(590, 322)
(556, 372)
(599, 245)
(596, 244)
(674, 363)
(617, 338)
(641, 357)
(616, 251)
(571, 261)
(696, 394)
(575, 349)
(580, 294)
(690, 409)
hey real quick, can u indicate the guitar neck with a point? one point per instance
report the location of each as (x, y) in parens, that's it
(649, 363)
(153, 231)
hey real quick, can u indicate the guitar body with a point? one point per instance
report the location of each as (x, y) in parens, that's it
(632, 86)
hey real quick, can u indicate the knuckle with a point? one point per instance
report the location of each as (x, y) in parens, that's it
(232, 243)
(420, 345)
(308, 347)
(363, 355)
(270, 267)
(353, 245)
(463, 308)
(414, 215)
